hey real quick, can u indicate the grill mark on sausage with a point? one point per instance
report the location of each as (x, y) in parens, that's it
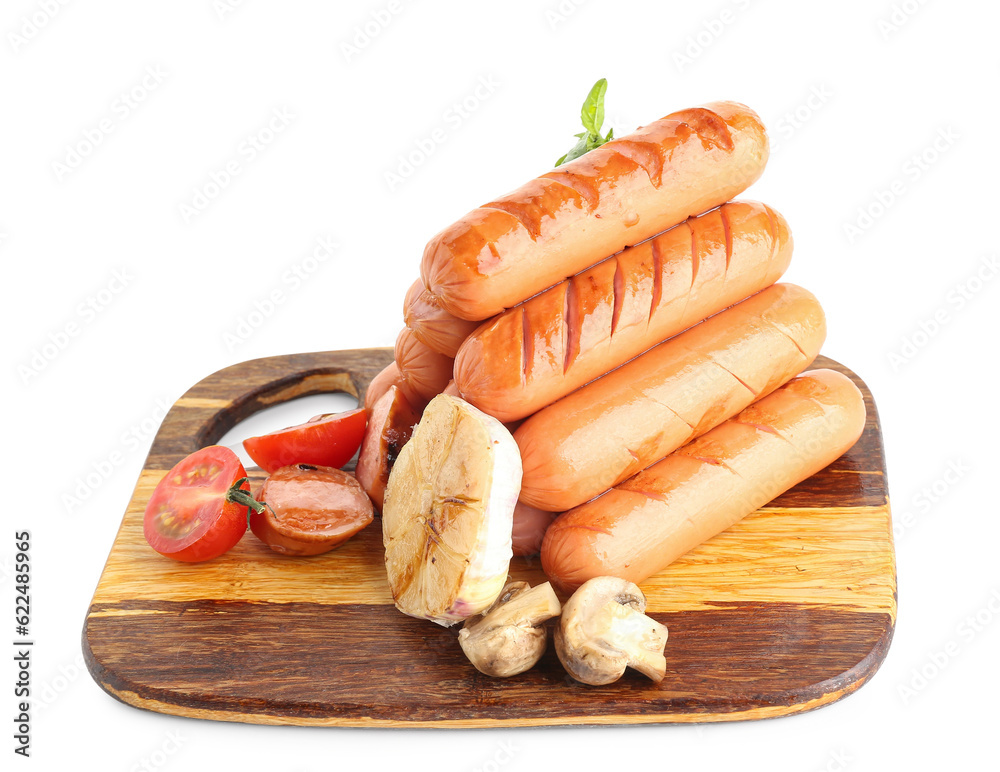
(772, 224)
(711, 128)
(582, 185)
(618, 288)
(667, 407)
(525, 346)
(740, 380)
(564, 328)
(657, 277)
(522, 212)
(654, 495)
(727, 229)
(743, 383)
(694, 271)
(571, 325)
(647, 155)
(494, 252)
(767, 430)
(794, 342)
(710, 460)
(695, 261)
(595, 528)
(761, 427)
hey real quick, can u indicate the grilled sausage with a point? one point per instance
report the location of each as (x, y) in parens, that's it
(616, 426)
(433, 326)
(647, 522)
(541, 350)
(425, 371)
(390, 425)
(380, 385)
(529, 529)
(621, 193)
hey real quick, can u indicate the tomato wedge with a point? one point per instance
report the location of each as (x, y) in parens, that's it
(325, 440)
(199, 509)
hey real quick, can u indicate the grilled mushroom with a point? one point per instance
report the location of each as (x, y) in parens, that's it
(604, 629)
(510, 636)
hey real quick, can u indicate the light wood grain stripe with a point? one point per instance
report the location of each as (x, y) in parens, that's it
(828, 556)
(202, 402)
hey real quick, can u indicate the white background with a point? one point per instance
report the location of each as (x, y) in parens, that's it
(853, 92)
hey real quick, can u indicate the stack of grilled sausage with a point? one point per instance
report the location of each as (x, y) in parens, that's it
(620, 314)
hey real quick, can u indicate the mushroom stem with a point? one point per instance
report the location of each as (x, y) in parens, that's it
(635, 636)
(640, 638)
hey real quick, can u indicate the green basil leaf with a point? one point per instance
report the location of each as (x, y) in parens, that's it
(592, 116)
(592, 113)
(578, 150)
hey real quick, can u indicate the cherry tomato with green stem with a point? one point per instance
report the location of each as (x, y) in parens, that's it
(199, 509)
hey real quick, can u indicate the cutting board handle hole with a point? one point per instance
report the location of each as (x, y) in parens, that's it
(261, 396)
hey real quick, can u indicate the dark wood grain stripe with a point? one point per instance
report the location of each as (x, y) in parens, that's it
(310, 660)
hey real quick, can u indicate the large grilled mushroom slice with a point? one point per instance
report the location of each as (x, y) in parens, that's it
(448, 513)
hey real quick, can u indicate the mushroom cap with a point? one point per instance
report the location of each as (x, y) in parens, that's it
(509, 638)
(604, 629)
(504, 651)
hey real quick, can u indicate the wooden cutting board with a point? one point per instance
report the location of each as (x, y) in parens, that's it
(790, 610)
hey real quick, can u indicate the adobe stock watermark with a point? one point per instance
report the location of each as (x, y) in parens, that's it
(223, 8)
(911, 172)
(452, 119)
(955, 300)
(923, 501)
(367, 31)
(6, 570)
(130, 441)
(160, 755)
(122, 107)
(711, 29)
(899, 16)
(248, 150)
(505, 753)
(290, 281)
(86, 312)
(33, 23)
(838, 761)
(794, 119)
(55, 686)
(940, 659)
(558, 14)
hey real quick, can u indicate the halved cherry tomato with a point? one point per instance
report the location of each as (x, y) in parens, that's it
(199, 509)
(310, 510)
(325, 440)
